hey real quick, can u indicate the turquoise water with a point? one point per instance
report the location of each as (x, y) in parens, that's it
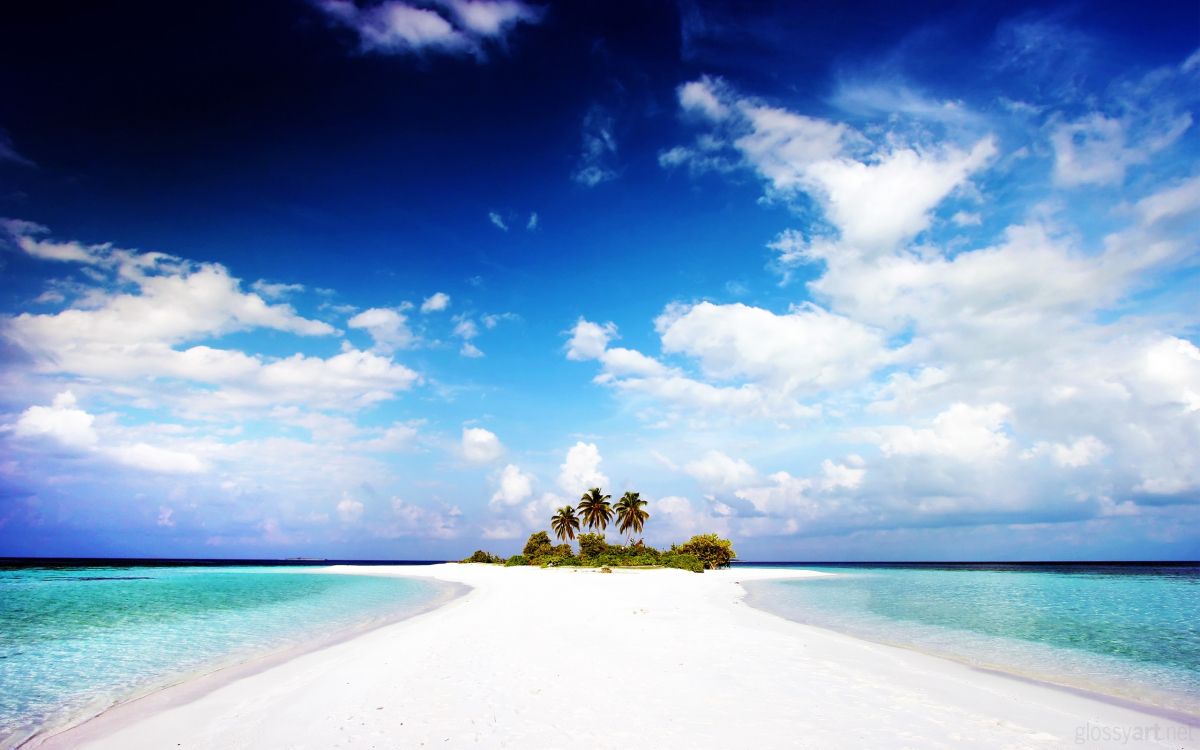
(1132, 633)
(76, 641)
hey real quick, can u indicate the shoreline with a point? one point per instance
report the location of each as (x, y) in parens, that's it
(1152, 709)
(482, 668)
(179, 689)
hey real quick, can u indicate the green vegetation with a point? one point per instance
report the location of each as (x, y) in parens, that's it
(538, 545)
(700, 553)
(595, 509)
(630, 516)
(710, 549)
(480, 556)
(565, 523)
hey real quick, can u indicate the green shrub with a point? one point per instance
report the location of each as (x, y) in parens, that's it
(710, 549)
(480, 556)
(516, 560)
(538, 544)
(592, 545)
(683, 562)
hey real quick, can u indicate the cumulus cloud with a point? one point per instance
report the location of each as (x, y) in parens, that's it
(716, 470)
(588, 339)
(69, 426)
(436, 302)
(807, 349)
(447, 26)
(387, 327)
(134, 320)
(61, 421)
(963, 432)
(513, 486)
(581, 469)
(641, 376)
(877, 197)
(480, 446)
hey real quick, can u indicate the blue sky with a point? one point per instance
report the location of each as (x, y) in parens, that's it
(396, 279)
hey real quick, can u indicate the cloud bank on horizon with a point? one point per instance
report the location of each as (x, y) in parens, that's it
(879, 313)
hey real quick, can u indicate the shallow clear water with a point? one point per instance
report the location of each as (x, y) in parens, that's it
(75, 641)
(1129, 632)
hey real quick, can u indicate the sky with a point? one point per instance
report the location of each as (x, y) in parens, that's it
(396, 279)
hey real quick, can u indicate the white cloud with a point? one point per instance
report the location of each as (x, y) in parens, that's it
(387, 327)
(512, 487)
(470, 350)
(581, 469)
(175, 300)
(806, 350)
(61, 421)
(465, 328)
(275, 291)
(436, 302)
(1094, 150)
(153, 458)
(962, 432)
(395, 27)
(877, 197)
(599, 149)
(504, 529)
(878, 204)
(1181, 199)
(125, 327)
(966, 219)
(480, 446)
(718, 471)
(782, 146)
(492, 18)
(588, 339)
(1081, 452)
(497, 221)
(848, 475)
(72, 427)
(701, 97)
(532, 224)
(412, 520)
(638, 375)
(349, 509)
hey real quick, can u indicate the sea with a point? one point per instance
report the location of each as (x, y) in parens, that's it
(77, 637)
(1130, 631)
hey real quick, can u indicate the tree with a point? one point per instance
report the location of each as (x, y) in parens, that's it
(565, 523)
(595, 509)
(710, 549)
(630, 516)
(538, 544)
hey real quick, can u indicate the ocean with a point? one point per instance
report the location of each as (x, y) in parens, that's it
(1129, 631)
(77, 640)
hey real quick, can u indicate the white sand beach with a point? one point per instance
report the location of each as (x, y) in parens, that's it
(533, 658)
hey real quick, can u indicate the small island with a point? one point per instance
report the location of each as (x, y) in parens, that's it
(595, 512)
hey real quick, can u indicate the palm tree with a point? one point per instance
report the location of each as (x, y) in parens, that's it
(630, 516)
(595, 509)
(565, 523)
